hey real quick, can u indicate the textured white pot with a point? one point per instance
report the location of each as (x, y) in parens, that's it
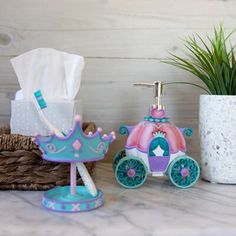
(218, 138)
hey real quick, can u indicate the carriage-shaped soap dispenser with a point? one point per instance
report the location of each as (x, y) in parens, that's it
(157, 147)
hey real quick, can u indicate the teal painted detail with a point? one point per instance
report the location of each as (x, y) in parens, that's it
(161, 120)
(184, 162)
(60, 199)
(137, 166)
(188, 132)
(119, 155)
(123, 130)
(75, 146)
(159, 141)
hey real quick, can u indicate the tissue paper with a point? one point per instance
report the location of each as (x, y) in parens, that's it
(57, 74)
(26, 121)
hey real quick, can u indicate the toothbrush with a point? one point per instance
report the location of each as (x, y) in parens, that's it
(40, 105)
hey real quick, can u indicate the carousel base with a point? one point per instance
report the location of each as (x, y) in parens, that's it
(60, 199)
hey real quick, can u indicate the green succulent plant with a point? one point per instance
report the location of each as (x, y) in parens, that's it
(212, 61)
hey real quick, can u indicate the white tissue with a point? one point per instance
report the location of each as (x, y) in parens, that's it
(19, 95)
(57, 74)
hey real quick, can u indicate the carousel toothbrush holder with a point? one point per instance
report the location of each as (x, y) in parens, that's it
(73, 148)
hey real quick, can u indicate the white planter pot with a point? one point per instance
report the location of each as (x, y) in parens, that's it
(218, 138)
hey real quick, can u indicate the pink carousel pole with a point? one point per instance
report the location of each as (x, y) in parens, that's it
(73, 178)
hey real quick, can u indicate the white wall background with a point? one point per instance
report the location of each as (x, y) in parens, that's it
(122, 42)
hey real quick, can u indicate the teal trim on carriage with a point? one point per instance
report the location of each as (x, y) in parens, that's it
(188, 132)
(118, 156)
(159, 141)
(180, 165)
(161, 120)
(131, 172)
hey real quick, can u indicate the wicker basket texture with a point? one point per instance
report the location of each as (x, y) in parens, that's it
(22, 167)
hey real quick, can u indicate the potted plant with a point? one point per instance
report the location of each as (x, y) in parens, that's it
(213, 62)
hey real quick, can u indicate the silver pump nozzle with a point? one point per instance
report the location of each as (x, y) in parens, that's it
(157, 85)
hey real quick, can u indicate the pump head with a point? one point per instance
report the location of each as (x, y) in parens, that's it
(157, 89)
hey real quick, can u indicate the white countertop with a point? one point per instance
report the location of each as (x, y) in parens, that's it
(157, 208)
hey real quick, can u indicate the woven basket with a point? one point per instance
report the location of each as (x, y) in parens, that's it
(22, 167)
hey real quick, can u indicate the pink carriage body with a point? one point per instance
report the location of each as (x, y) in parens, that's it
(156, 141)
(143, 133)
(157, 147)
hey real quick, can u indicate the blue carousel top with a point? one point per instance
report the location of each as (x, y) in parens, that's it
(75, 146)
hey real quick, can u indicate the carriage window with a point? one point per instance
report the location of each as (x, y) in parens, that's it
(159, 147)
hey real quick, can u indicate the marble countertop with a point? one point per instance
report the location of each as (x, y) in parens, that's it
(157, 208)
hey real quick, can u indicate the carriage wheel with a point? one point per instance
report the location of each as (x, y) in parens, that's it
(131, 172)
(184, 172)
(119, 155)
